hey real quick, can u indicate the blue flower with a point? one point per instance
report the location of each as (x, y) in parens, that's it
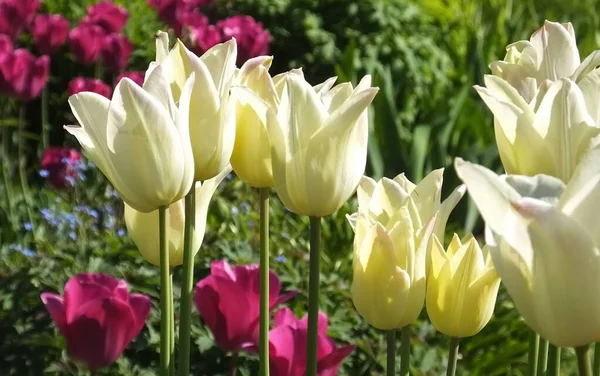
(235, 211)
(121, 232)
(73, 235)
(44, 173)
(70, 180)
(281, 258)
(27, 226)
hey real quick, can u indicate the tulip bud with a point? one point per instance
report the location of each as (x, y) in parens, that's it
(86, 42)
(544, 241)
(229, 303)
(287, 344)
(462, 287)
(139, 139)
(143, 227)
(60, 164)
(49, 32)
(251, 158)
(25, 75)
(252, 39)
(81, 84)
(116, 49)
(109, 16)
(319, 143)
(98, 317)
(137, 77)
(212, 116)
(15, 15)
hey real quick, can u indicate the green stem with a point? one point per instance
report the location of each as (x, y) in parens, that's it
(165, 299)
(5, 158)
(171, 326)
(233, 364)
(264, 283)
(542, 357)
(188, 284)
(553, 361)
(534, 350)
(583, 360)
(452, 356)
(596, 359)
(98, 70)
(22, 160)
(405, 351)
(45, 123)
(313, 296)
(391, 353)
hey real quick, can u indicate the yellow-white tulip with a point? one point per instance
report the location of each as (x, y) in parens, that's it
(544, 240)
(139, 139)
(462, 287)
(319, 143)
(251, 158)
(143, 227)
(547, 137)
(212, 114)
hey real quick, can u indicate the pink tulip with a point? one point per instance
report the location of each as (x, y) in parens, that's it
(287, 346)
(228, 302)
(86, 42)
(177, 14)
(98, 317)
(137, 77)
(116, 50)
(109, 16)
(79, 84)
(60, 164)
(15, 15)
(198, 3)
(203, 37)
(5, 44)
(23, 74)
(5, 47)
(49, 32)
(252, 39)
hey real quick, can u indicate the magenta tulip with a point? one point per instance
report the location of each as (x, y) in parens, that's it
(252, 39)
(15, 15)
(116, 50)
(228, 302)
(79, 84)
(287, 346)
(177, 14)
(5, 44)
(203, 37)
(109, 16)
(49, 32)
(137, 77)
(23, 74)
(98, 317)
(60, 165)
(86, 42)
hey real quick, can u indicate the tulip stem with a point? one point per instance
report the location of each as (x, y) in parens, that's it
(171, 325)
(597, 359)
(534, 350)
(313, 297)
(6, 141)
(264, 283)
(452, 356)
(166, 310)
(98, 70)
(22, 160)
(188, 284)
(583, 360)
(391, 353)
(542, 357)
(405, 351)
(553, 361)
(233, 364)
(45, 123)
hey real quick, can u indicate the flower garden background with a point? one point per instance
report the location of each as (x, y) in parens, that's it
(59, 216)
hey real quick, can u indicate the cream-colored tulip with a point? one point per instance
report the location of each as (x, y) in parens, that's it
(319, 144)
(251, 158)
(143, 227)
(139, 139)
(462, 287)
(544, 240)
(549, 137)
(212, 114)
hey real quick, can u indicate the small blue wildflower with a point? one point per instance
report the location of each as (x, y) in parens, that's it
(229, 176)
(121, 232)
(245, 207)
(47, 214)
(70, 180)
(235, 211)
(66, 161)
(44, 173)
(73, 235)
(93, 213)
(281, 258)
(27, 226)
(28, 252)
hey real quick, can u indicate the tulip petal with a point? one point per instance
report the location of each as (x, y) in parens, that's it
(55, 306)
(364, 192)
(285, 316)
(324, 87)
(556, 46)
(220, 62)
(330, 364)
(590, 88)
(542, 187)
(427, 194)
(446, 209)
(287, 349)
(140, 306)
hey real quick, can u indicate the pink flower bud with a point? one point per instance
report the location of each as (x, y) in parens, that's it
(49, 32)
(15, 15)
(22, 75)
(110, 17)
(116, 50)
(86, 42)
(98, 317)
(79, 84)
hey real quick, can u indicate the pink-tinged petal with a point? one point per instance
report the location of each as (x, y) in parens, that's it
(282, 298)
(323, 323)
(285, 317)
(207, 301)
(84, 288)
(121, 291)
(330, 364)
(222, 269)
(54, 305)
(325, 345)
(287, 351)
(140, 306)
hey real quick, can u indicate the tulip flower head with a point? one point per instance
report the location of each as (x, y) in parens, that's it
(15, 15)
(461, 288)
(543, 238)
(24, 75)
(318, 142)
(49, 32)
(86, 41)
(203, 37)
(98, 317)
(60, 163)
(144, 230)
(549, 136)
(109, 16)
(287, 346)
(81, 84)
(252, 39)
(212, 116)
(229, 303)
(116, 49)
(139, 139)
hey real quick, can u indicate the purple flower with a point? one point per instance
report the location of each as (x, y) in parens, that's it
(86, 42)
(49, 32)
(116, 49)
(110, 17)
(252, 39)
